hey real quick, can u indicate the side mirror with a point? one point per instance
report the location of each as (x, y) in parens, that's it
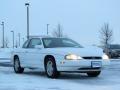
(38, 46)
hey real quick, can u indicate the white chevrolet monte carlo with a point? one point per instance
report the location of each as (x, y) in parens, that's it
(55, 55)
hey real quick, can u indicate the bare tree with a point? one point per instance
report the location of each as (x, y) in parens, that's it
(106, 36)
(6, 42)
(58, 32)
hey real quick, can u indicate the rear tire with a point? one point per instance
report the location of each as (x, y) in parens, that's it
(50, 68)
(94, 73)
(17, 66)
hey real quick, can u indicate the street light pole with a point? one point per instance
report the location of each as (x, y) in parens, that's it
(3, 34)
(19, 38)
(13, 38)
(27, 5)
(47, 29)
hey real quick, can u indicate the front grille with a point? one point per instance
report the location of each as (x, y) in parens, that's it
(92, 57)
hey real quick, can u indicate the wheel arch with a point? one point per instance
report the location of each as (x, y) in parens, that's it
(49, 56)
(15, 56)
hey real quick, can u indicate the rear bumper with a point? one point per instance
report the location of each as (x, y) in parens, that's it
(80, 65)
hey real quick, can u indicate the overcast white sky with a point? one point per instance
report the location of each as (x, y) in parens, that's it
(81, 19)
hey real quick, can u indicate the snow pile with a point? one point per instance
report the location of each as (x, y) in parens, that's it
(5, 53)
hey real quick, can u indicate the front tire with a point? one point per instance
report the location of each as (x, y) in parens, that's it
(94, 74)
(50, 68)
(17, 66)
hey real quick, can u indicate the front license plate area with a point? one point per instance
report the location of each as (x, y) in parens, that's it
(96, 64)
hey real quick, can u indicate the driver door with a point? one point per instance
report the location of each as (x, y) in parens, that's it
(34, 55)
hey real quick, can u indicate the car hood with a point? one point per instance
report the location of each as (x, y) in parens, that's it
(77, 51)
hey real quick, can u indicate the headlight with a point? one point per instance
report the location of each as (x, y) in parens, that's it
(72, 57)
(105, 57)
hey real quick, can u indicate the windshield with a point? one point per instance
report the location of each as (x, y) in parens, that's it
(59, 42)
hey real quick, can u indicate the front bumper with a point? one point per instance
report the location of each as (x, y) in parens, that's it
(80, 65)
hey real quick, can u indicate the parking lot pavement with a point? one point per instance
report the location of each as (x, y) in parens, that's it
(35, 80)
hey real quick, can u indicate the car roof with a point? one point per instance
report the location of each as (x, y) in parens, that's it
(39, 36)
(43, 37)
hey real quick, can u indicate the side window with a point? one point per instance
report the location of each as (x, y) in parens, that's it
(33, 42)
(25, 44)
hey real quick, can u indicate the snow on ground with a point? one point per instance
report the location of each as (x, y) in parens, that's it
(35, 80)
(5, 53)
